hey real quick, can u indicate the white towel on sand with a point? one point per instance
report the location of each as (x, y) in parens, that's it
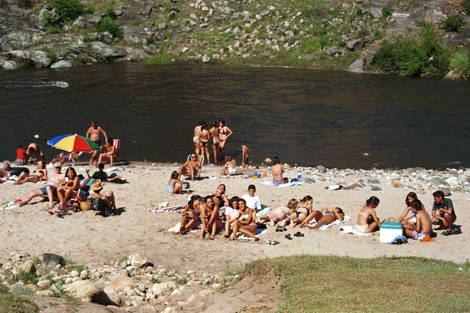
(352, 230)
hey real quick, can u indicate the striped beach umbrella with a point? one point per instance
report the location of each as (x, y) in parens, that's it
(73, 143)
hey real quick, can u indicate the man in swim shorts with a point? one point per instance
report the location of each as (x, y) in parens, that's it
(93, 133)
(49, 189)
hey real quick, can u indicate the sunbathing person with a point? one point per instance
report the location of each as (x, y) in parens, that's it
(68, 187)
(103, 176)
(210, 218)
(279, 214)
(220, 198)
(4, 172)
(230, 167)
(175, 186)
(108, 150)
(231, 215)
(322, 218)
(303, 210)
(367, 220)
(421, 226)
(190, 167)
(53, 181)
(277, 171)
(409, 199)
(101, 203)
(39, 174)
(190, 215)
(245, 223)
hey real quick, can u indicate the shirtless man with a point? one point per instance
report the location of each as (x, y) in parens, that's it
(422, 226)
(34, 148)
(277, 170)
(190, 167)
(204, 137)
(49, 189)
(94, 134)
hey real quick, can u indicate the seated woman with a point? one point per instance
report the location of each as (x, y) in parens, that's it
(303, 210)
(220, 198)
(230, 167)
(103, 176)
(108, 150)
(210, 218)
(231, 215)
(39, 174)
(408, 200)
(367, 220)
(101, 203)
(175, 186)
(190, 215)
(245, 224)
(279, 214)
(68, 187)
(325, 217)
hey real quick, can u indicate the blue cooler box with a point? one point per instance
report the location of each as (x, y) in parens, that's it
(390, 230)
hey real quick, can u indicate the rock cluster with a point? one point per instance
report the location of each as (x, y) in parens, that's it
(132, 284)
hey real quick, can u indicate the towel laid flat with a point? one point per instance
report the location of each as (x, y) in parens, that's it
(352, 230)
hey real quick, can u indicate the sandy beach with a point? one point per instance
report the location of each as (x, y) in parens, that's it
(96, 241)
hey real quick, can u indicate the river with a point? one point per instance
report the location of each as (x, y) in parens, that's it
(306, 117)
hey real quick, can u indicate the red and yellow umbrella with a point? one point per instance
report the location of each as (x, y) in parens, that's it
(73, 143)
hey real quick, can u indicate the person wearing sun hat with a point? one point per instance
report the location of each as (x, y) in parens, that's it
(53, 181)
(108, 197)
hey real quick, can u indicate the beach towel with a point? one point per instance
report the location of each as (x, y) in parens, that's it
(289, 184)
(336, 222)
(10, 205)
(352, 230)
(177, 227)
(166, 209)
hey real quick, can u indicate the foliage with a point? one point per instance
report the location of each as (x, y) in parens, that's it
(409, 57)
(27, 278)
(72, 266)
(344, 284)
(68, 9)
(453, 23)
(460, 64)
(15, 303)
(466, 6)
(386, 12)
(24, 63)
(109, 25)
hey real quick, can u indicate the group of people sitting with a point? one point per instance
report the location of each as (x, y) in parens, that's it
(240, 215)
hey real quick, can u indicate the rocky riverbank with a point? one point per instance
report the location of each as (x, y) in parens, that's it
(320, 35)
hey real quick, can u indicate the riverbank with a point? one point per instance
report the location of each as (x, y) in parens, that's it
(95, 241)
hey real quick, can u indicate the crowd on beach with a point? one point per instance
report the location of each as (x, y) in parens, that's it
(217, 213)
(67, 188)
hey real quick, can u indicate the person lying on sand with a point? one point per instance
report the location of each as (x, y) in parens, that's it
(325, 217)
(276, 215)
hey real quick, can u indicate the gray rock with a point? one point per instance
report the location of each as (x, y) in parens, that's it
(321, 168)
(376, 12)
(29, 267)
(375, 188)
(162, 26)
(120, 283)
(206, 59)
(45, 293)
(44, 284)
(357, 66)
(137, 260)
(17, 288)
(332, 51)
(356, 44)
(80, 22)
(61, 64)
(105, 50)
(47, 10)
(51, 260)
(105, 37)
(434, 16)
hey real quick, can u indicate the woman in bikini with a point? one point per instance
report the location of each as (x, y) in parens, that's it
(214, 132)
(303, 210)
(175, 186)
(39, 174)
(224, 133)
(68, 187)
(210, 218)
(279, 214)
(230, 167)
(408, 200)
(190, 215)
(325, 217)
(220, 198)
(246, 223)
(367, 220)
(204, 137)
(197, 133)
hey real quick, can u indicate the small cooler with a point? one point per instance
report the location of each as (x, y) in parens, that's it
(390, 230)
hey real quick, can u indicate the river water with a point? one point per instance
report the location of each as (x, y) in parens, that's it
(306, 117)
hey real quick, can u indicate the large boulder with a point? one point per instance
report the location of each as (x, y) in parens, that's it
(52, 260)
(88, 292)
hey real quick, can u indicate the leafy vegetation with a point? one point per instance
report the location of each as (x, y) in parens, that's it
(15, 303)
(466, 6)
(460, 64)
(68, 9)
(158, 59)
(453, 23)
(344, 284)
(109, 25)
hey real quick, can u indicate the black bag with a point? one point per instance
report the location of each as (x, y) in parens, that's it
(99, 205)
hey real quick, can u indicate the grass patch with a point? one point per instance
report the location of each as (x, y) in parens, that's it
(344, 284)
(72, 266)
(14, 303)
(158, 59)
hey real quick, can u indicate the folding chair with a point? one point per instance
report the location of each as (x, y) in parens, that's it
(117, 147)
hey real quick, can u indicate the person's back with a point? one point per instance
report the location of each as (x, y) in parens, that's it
(423, 220)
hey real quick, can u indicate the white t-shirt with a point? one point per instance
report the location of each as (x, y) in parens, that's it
(253, 202)
(231, 212)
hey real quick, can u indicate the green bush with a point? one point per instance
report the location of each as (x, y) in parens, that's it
(386, 12)
(466, 6)
(453, 23)
(111, 26)
(68, 9)
(158, 59)
(460, 64)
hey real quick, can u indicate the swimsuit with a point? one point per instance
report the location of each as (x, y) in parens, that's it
(277, 182)
(361, 228)
(195, 139)
(204, 143)
(215, 140)
(364, 214)
(298, 212)
(97, 142)
(418, 236)
(232, 171)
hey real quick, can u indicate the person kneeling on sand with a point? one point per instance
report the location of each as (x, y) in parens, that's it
(443, 213)
(367, 220)
(190, 167)
(419, 226)
(190, 215)
(246, 223)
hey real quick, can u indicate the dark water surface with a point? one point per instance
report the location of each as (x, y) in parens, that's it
(303, 116)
